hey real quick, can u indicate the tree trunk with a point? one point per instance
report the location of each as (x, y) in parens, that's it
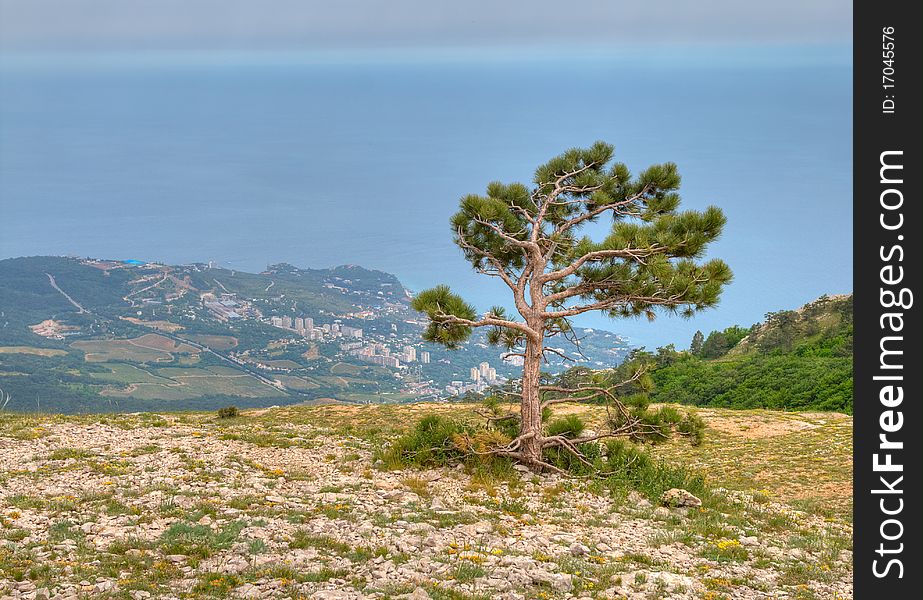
(530, 407)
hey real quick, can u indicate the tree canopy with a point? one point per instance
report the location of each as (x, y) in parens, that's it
(531, 238)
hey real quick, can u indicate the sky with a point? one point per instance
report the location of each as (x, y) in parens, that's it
(132, 25)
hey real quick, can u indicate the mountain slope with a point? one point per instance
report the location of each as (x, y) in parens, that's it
(795, 360)
(86, 335)
(290, 503)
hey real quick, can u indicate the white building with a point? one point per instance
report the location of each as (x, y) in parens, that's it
(353, 332)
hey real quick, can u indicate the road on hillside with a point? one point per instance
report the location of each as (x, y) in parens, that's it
(54, 284)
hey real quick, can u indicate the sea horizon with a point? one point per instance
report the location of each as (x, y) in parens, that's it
(251, 164)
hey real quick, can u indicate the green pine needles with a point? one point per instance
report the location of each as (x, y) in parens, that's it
(531, 238)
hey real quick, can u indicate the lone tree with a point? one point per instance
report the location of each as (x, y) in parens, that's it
(530, 239)
(698, 339)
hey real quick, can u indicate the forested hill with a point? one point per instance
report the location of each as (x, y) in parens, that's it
(794, 360)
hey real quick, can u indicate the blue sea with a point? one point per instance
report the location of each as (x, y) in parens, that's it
(250, 161)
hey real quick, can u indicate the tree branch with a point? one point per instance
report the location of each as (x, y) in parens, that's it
(634, 254)
(486, 321)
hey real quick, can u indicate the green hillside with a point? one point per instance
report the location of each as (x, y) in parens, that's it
(794, 360)
(91, 335)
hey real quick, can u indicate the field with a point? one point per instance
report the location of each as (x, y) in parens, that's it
(283, 364)
(146, 348)
(215, 342)
(31, 350)
(179, 383)
(167, 326)
(803, 459)
(297, 383)
(292, 503)
(342, 368)
(125, 374)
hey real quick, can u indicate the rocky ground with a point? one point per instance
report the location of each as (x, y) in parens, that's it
(289, 503)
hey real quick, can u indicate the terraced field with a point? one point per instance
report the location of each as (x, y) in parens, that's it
(146, 348)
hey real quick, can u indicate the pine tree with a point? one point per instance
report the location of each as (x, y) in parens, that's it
(530, 238)
(698, 339)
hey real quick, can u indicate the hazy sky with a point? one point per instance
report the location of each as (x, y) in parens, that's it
(752, 99)
(113, 25)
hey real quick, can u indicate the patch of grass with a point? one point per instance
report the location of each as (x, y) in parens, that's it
(198, 541)
(261, 439)
(569, 426)
(245, 502)
(466, 571)
(803, 573)
(15, 534)
(303, 538)
(146, 449)
(68, 453)
(725, 550)
(64, 530)
(115, 508)
(418, 486)
(629, 467)
(23, 501)
(217, 585)
(430, 443)
(509, 506)
(287, 573)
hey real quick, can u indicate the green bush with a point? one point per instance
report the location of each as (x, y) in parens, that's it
(628, 467)
(660, 424)
(228, 412)
(199, 541)
(565, 460)
(570, 426)
(430, 443)
(809, 381)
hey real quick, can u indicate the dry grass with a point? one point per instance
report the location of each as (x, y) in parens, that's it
(31, 350)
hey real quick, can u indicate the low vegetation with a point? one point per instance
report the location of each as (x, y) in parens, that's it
(795, 360)
(228, 412)
(320, 501)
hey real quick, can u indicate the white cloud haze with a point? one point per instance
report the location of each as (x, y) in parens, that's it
(309, 24)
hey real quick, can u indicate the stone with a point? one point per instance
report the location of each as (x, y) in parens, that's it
(330, 595)
(638, 500)
(578, 549)
(417, 594)
(677, 497)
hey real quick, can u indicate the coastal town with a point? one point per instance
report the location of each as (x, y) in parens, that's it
(308, 333)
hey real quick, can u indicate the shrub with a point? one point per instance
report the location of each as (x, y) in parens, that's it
(565, 460)
(570, 426)
(629, 467)
(199, 541)
(228, 412)
(432, 442)
(659, 424)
